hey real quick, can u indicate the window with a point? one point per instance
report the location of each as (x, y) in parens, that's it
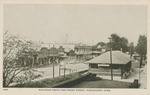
(94, 65)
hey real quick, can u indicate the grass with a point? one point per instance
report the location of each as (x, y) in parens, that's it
(46, 83)
(102, 84)
(51, 82)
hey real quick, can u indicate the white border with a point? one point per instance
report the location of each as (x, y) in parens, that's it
(35, 91)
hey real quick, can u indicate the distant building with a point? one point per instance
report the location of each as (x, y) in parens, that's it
(64, 48)
(46, 53)
(47, 56)
(83, 52)
(42, 57)
(67, 46)
(27, 58)
(98, 50)
(136, 56)
(61, 50)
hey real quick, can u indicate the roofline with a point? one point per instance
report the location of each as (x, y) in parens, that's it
(108, 63)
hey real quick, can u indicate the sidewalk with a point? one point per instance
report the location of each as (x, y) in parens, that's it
(143, 78)
(134, 75)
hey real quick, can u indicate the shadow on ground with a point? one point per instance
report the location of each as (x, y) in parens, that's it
(104, 83)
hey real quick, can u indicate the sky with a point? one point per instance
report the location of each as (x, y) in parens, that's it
(87, 24)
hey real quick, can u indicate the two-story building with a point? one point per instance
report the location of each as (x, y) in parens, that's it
(83, 52)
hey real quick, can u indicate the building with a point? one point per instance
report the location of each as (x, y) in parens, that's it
(121, 64)
(98, 50)
(44, 56)
(64, 48)
(136, 56)
(83, 52)
(67, 46)
(48, 56)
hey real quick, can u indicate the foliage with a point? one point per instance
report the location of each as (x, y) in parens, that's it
(131, 49)
(101, 43)
(48, 82)
(13, 46)
(27, 76)
(141, 47)
(118, 43)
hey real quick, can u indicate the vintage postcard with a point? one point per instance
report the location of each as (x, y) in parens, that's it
(74, 47)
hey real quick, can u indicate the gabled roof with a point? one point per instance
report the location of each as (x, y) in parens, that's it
(60, 49)
(117, 58)
(53, 50)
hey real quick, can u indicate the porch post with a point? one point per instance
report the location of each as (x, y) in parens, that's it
(121, 73)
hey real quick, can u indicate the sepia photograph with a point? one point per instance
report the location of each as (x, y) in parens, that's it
(75, 46)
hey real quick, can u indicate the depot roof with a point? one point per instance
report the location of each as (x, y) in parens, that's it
(118, 57)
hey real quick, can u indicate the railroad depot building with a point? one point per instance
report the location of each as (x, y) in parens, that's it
(121, 64)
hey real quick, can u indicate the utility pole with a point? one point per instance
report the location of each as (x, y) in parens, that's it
(64, 71)
(140, 71)
(110, 39)
(66, 38)
(59, 69)
(65, 58)
(92, 49)
(53, 52)
(53, 67)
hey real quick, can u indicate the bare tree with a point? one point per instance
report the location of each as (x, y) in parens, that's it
(12, 46)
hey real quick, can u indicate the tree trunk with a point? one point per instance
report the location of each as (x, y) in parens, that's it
(4, 81)
(33, 61)
(141, 61)
(131, 55)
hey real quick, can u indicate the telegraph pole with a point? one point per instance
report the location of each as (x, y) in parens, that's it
(64, 71)
(59, 69)
(53, 67)
(53, 52)
(110, 39)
